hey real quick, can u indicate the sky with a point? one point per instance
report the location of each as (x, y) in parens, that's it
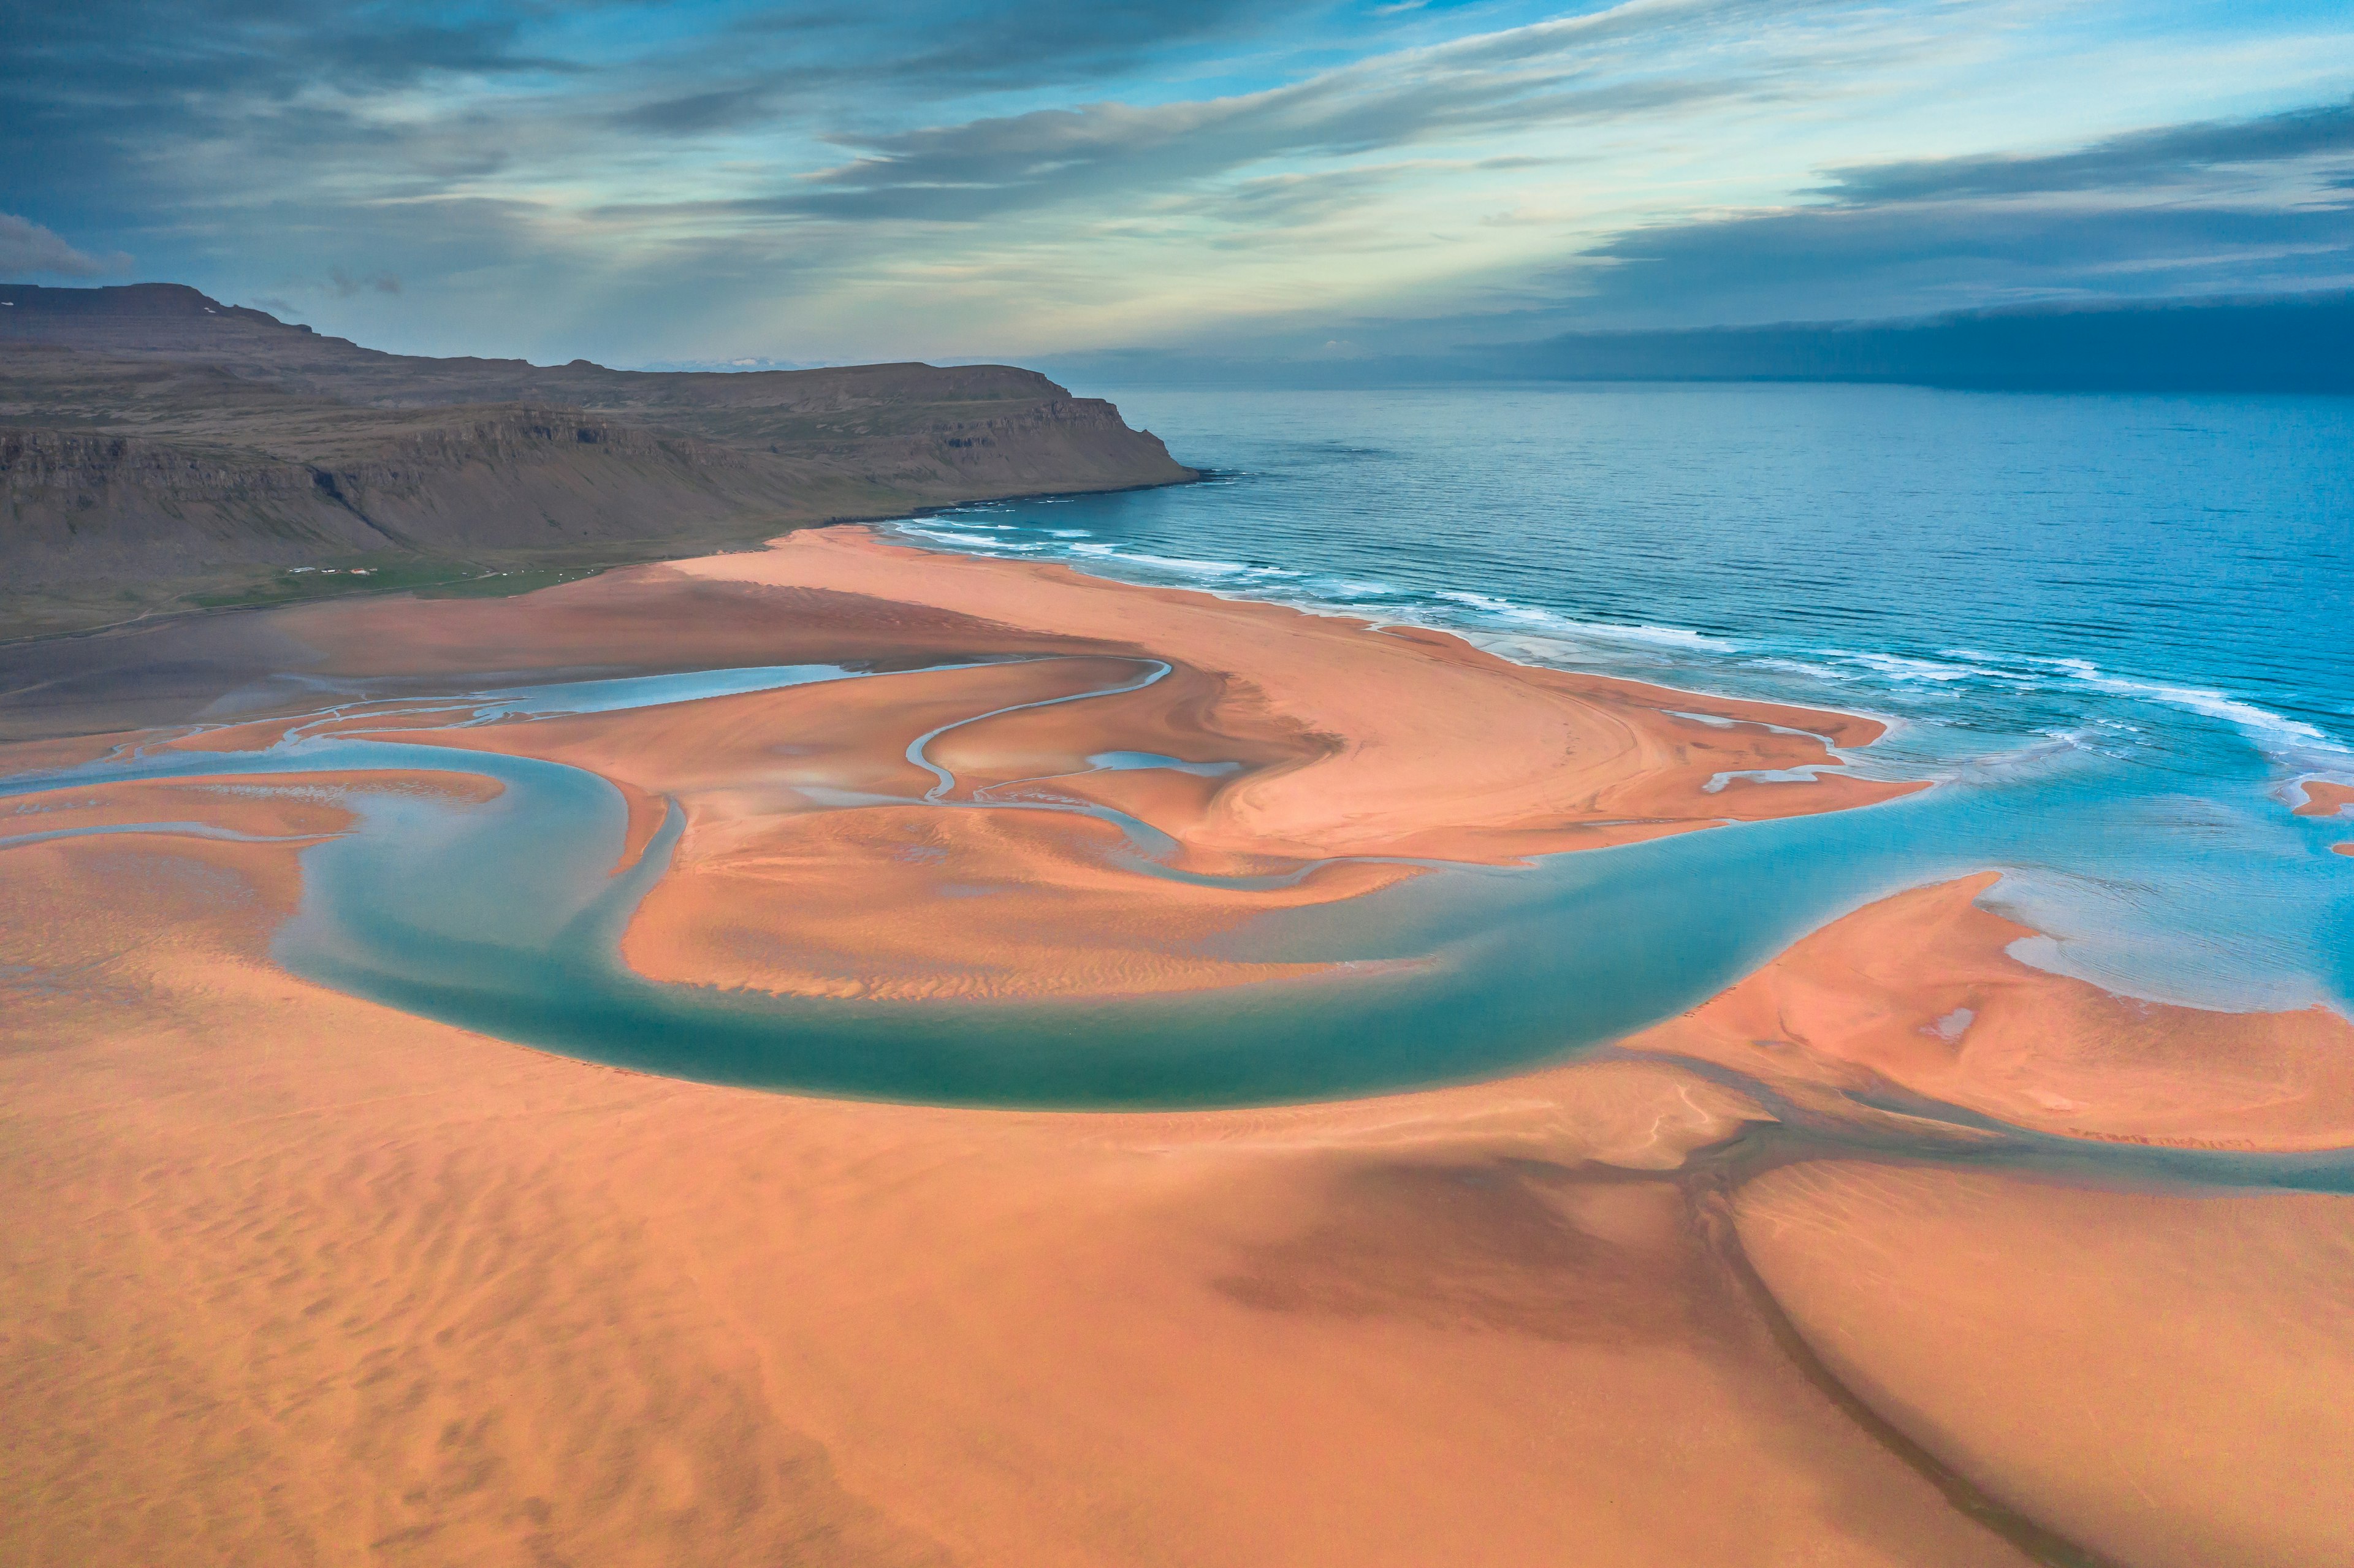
(823, 181)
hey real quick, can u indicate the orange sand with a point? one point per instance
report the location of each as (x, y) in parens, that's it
(299, 1280)
(296, 1278)
(2323, 799)
(463, 1302)
(1347, 740)
(639, 618)
(2164, 1379)
(34, 755)
(1920, 992)
(290, 805)
(1432, 746)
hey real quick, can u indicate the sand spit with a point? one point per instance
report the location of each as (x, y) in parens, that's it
(1919, 991)
(1303, 738)
(2164, 1379)
(1432, 746)
(296, 1278)
(291, 807)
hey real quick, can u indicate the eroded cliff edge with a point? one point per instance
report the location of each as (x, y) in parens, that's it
(159, 448)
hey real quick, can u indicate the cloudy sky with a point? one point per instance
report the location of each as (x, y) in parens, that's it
(829, 180)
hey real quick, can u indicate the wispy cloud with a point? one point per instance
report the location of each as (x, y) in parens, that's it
(29, 250)
(2162, 157)
(805, 179)
(2248, 205)
(344, 285)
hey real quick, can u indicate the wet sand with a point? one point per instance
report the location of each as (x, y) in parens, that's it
(1316, 737)
(2163, 1378)
(294, 808)
(1429, 746)
(460, 1301)
(298, 1278)
(1925, 996)
(2324, 798)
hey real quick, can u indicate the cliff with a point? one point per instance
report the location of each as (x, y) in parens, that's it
(157, 448)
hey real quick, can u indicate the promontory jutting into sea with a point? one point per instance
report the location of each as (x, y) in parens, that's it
(1373, 784)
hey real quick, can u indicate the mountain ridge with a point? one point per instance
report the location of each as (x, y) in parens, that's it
(160, 449)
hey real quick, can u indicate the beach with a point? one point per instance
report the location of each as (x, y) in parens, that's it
(461, 1300)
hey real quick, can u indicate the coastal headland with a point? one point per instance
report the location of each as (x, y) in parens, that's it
(162, 450)
(299, 1277)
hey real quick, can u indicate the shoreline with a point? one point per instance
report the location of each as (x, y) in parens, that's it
(1483, 640)
(982, 607)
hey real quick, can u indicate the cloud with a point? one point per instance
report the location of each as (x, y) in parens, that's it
(1837, 264)
(27, 249)
(344, 285)
(2143, 159)
(818, 178)
(2249, 205)
(984, 168)
(692, 113)
(950, 46)
(246, 49)
(1611, 65)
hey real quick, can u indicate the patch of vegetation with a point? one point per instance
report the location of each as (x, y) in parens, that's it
(506, 583)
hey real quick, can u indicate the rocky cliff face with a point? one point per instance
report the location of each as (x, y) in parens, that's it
(155, 442)
(78, 505)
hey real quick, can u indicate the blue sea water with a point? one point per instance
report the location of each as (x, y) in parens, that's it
(2150, 597)
(2005, 564)
(2112, 629)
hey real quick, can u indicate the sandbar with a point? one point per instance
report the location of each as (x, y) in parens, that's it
(1313, 750)
(1920, 992)
(2324, 799)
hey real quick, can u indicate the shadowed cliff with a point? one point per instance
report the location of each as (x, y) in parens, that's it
(159, 448)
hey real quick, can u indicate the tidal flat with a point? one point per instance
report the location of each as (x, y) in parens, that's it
(931, 1059)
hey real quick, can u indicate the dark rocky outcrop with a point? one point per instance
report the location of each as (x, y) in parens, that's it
(156, 444)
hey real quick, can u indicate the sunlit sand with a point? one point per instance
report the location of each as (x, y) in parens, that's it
(458, 1300)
